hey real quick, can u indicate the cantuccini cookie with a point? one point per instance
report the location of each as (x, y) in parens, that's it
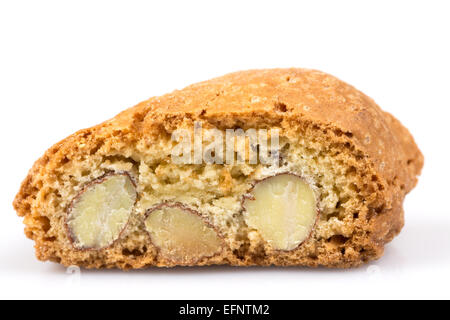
(286, 167)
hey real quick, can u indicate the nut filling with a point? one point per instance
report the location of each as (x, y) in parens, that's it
(181, 234)
(100, 212)
(283, 210)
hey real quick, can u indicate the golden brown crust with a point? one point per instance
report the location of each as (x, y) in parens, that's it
(385, 151)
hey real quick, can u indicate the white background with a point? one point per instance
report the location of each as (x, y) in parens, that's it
(67, 65)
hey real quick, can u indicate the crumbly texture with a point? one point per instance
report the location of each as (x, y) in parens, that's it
(360, 161)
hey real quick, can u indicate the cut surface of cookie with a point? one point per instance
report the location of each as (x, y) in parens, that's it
(181, 234)
(283, 209)
(100, 212)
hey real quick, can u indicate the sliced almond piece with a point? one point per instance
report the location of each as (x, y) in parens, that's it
(100, 212)
(283, 210)
(181, 234)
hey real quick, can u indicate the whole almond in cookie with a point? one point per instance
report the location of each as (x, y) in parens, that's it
(283, 209)
(100, 212)
(181, 234)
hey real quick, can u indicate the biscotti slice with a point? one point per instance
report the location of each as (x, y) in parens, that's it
(287, 167)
